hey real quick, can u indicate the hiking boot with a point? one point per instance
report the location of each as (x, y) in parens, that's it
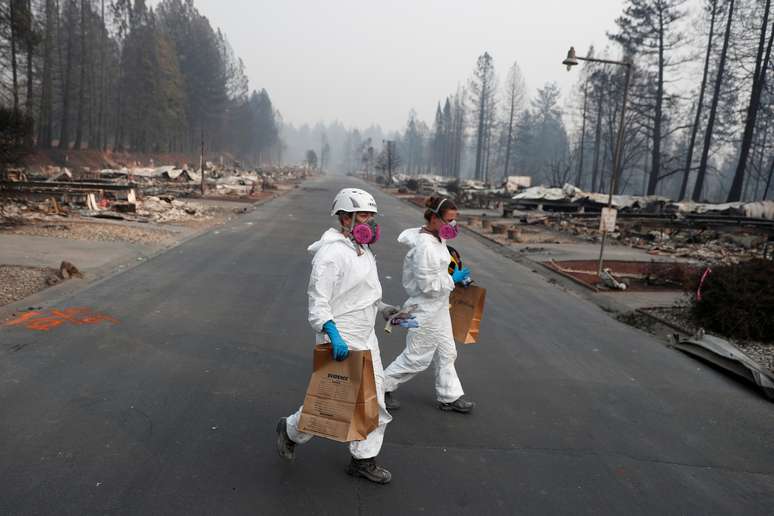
(459, 405)
(391, 402)
(285, 446)
(368, 469)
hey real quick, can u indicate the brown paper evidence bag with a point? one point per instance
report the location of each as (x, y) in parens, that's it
(466, 305)
(340, 402)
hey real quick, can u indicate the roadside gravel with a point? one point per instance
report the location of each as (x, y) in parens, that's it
(93, 231)
(18, 282)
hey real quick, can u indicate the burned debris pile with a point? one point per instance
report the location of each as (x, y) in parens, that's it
(166, 194)
(707, 233)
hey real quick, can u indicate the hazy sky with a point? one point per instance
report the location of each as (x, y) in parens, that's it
(364, 62)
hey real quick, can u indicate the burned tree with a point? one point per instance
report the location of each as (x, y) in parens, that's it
(648, 29)
(482, 88)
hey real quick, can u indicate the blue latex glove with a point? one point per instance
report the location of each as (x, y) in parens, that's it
(460, 275)
(340, 349)
(405, 322)
(408, 323)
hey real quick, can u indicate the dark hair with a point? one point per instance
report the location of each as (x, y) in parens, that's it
(438, 206)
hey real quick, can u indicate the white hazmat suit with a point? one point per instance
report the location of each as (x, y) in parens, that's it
(344, 287)
(428, 283)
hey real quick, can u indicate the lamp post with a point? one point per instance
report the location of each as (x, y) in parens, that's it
(569, 62)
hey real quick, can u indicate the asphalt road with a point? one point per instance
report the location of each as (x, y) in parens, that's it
(170, 408)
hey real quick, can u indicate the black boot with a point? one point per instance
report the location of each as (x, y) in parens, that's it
(368, 469)
(391, 402)
(285, 446)
(460, 405)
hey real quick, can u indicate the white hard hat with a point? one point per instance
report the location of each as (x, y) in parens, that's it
(351, 200)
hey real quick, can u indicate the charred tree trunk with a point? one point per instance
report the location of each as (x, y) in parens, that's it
(82, 86)
(64, 140)
(759, 79)
(579, 177)
(655, 170)
(768, 181)
(487, 147)
(699, 104)
(702, 172)
(29, 29)
(100, 136)
(14, 67)
(597, 144)
(118, 137)
(509, 141)
(47, 86)
(759, 165)
(480, 135)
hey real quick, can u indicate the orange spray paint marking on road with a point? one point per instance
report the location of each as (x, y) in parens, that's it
(24, 318)
(41, 321)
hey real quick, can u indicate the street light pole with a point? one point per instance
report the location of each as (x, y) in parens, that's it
(570, 61)
(616, 165)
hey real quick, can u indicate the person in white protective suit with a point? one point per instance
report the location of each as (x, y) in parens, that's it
(428, 283)
(344, 299)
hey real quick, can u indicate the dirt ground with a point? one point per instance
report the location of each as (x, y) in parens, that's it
(85, 230)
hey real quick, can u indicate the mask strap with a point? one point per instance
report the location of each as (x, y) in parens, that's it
(358, 247)
(437, 210)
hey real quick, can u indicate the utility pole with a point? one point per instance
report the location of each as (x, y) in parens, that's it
(390, 145)
(201, 163)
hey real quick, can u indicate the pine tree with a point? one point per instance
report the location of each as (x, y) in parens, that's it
(515, 91)
(482, 88)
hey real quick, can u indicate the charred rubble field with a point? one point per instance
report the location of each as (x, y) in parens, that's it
(133, 205)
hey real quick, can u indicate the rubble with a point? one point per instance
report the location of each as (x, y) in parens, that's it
(147, 206)
(570, 198)
(712, 243)
(467, 193)
(170, 210)
(160, 195)
(611, 281)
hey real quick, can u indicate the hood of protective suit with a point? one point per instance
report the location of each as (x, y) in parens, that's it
(329, 237)
(426, 276)
(410, 237)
